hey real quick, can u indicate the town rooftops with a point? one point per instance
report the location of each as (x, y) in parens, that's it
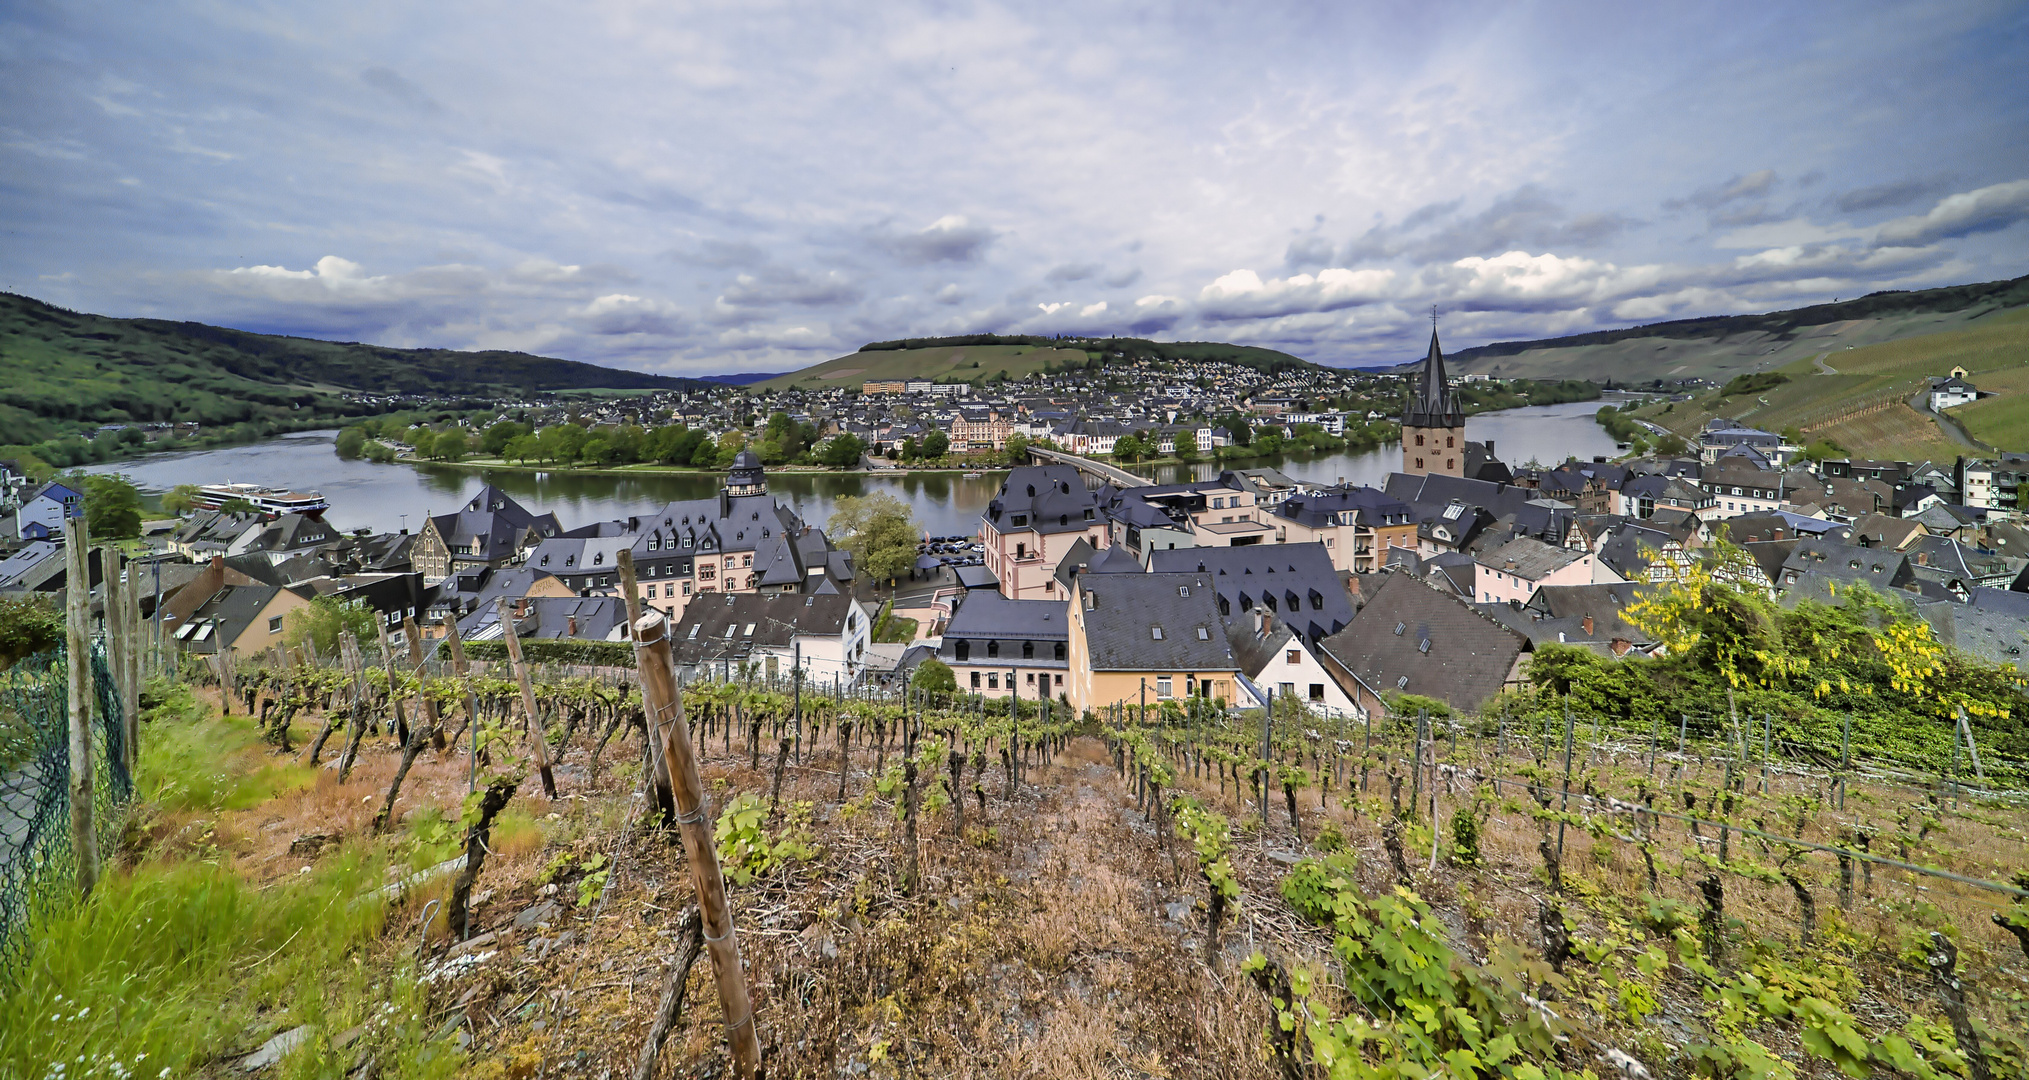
(1153, 622)
(1043, 498)
(1415, 639)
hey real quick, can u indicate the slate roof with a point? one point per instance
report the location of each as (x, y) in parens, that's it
(1295, 581)
(229, 612)
(1154, 622)
(1052, 498)
(1528, 558)
(984, 616)
(581, 618)
(732, 626)
(1466, 660)
(1371, 507)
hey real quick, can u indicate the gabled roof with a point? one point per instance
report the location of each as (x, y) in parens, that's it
(1153, 622)
(1295, 581)
(1528, 558)
(730, 626)
(1415, 639)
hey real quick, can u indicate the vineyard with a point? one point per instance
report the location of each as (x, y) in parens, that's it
(923, 884)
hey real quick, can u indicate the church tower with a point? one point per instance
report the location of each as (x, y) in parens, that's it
(1433, 428)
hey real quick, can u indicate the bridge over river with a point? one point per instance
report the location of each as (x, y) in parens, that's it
(1118, 477)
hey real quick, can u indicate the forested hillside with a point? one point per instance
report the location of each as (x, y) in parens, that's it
(62, 372)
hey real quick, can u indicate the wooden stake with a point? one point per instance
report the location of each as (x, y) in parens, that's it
(630, 590)
(656, 666)
(414, 634)
(458, 668)
(77, 625)
(541, 744)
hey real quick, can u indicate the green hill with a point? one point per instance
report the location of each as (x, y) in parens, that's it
(985, 357)
(63, 372)
(1859, 396)
(1721, 347)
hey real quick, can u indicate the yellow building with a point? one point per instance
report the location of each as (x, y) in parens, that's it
(1147, 637)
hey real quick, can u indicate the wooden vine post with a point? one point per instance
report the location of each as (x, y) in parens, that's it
(84, 838)
(630, 590)
(536, 736)
(655, 664)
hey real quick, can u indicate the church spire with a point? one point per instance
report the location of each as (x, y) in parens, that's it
(1430, 404)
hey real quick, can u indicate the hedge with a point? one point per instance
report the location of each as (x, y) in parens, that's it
(559, 651)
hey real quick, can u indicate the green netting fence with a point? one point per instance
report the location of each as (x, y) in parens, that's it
(38, 866)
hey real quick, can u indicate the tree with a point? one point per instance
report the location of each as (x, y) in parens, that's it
(1238, 427)
(493, 442)
(179, 498)
(1187, 444)
(936, 444)
(1671, 445)
(351, 443)
(730, 444)
(521, 448)
(29, 625)
(907, 450)
(842, 452)
(935, 676)
(323, 618)
(238, 506)
(1017, 449)
(1128, 448)
(879, 531)
(112, 507)
(424, 440)
(448, 445)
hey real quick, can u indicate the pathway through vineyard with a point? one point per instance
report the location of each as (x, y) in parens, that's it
(1059, 935)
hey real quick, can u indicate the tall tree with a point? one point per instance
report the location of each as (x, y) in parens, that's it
(880, 532)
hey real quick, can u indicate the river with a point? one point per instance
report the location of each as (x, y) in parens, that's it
(389, 497)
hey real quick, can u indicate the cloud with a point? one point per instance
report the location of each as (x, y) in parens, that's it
(782, 285)
(1882, 195)
(391, 83)
(948, 239)
(1527, 217)
(1242, 294)
(618, 313)
(1752, 185)
(1066, 273)
(1988, 209)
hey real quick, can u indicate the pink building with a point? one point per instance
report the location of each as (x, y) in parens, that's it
(1039, 513)
(1515, 570)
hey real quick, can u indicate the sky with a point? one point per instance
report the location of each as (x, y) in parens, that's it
(700, 188)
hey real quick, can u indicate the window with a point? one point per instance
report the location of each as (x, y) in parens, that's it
(1019, 520)
(1029, 652)
(275, 624)
(1293, 656)
(992, 650)
(1317, 691)
(1287, 689)
(1451, 442)
(1032, 678)
(1021, 551)
(1155, 632)
(1162, 686)
(686, 588)
(993, 680)
(965, 653)
(651, 592)
(1058, 650)
(1419, 461)
(975, 679)
(1060, 680)
(1204, 634)
(1419, 438)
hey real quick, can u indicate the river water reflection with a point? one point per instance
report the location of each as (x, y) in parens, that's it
(388, 497)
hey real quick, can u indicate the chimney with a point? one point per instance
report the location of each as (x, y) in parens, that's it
(1588, 625)
(571, 623)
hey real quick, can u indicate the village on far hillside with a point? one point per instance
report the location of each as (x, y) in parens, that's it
(1437, 583)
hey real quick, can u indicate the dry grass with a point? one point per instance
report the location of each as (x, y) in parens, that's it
(1062, 937)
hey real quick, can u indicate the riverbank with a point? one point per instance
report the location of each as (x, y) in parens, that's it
(487, 465)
